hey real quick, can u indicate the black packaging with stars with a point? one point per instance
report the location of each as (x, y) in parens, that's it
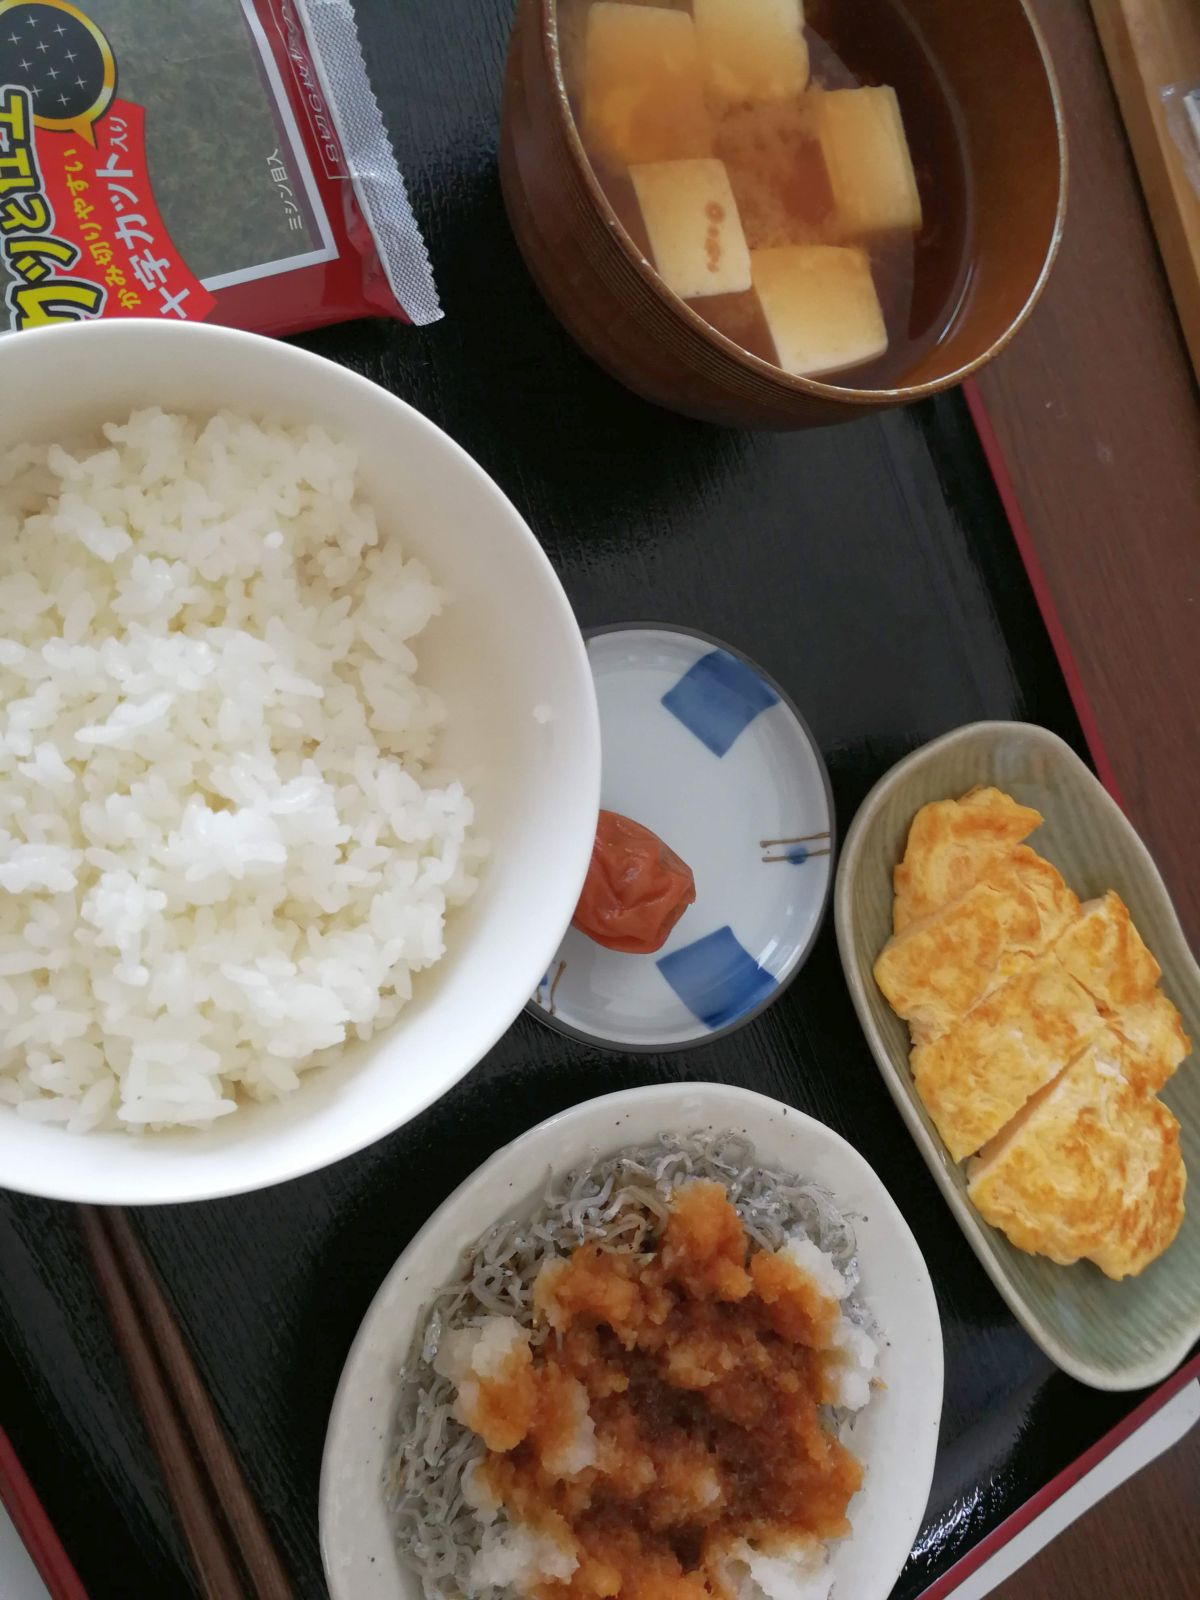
(202, 160)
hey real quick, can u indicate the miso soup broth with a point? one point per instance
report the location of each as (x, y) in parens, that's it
(793, 170)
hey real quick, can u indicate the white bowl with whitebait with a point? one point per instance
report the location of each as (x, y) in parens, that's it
(422, 1499)
(299, 763)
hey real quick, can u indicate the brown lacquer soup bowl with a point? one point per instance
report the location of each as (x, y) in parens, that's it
(999, 106)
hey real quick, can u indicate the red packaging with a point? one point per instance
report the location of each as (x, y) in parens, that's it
(206, 160)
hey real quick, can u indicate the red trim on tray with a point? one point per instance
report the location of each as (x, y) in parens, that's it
(1041, 589)
(35, 1529)
(944, 1587)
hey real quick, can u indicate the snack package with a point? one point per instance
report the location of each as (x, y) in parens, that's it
(206, 160)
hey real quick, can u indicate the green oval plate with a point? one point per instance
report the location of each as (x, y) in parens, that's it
(1111, 1335)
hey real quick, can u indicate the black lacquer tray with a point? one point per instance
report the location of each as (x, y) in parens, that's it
(871, 571)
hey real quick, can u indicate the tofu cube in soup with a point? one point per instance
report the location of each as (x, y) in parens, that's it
(692, 223)
(821, 307)
(868, 161)
(643, 88)
(753, 50)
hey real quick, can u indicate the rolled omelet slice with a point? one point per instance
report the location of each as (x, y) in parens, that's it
(978, 1075)
(943, 965)
(1090, 1169)
(951, 844)
(1104, 952)
(1153, 1031)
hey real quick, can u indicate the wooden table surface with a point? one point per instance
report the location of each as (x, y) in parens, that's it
(1140, 1543)
(1096, 410)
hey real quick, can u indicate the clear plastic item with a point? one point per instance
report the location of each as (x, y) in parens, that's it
(1181, 102)
(203, 160)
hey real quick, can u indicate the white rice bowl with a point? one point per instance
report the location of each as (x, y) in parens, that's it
(500, 704)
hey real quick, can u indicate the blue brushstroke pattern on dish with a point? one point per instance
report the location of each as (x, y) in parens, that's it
(718, 699)
(716, 978)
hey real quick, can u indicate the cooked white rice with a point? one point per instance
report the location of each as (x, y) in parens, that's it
(222, 851)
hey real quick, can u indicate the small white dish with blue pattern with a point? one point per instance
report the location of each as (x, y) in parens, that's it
(700, 746)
